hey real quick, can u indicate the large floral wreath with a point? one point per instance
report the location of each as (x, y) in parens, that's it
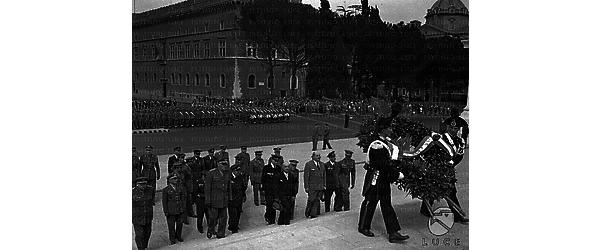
(429, 175)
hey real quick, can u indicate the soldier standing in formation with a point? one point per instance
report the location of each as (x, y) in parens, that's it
(173, 200)
(210, 162)
(287, 185)
(269, 186)
(346, 173)
(257, 165)
(380, 174)
(332, 180)
(173, 159)
(238, 196)
(314, 184)
(150, 169)
(294, 170)
(217, 191)
(143, 212)
(326, 137)
(136, 168)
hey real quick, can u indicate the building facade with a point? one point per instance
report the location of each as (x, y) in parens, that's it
(447, 17)
(195, 48)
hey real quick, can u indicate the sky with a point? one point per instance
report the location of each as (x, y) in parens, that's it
(392, 11)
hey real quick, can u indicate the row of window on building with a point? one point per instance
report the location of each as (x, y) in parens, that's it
(153, 35)
(188, 50)
(179, 79)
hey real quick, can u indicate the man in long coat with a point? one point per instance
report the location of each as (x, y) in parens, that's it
(314, 184)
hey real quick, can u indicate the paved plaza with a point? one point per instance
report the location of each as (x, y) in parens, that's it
(332, 230)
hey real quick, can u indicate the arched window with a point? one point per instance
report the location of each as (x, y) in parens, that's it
(197, 80)
(294, 82)
(222, 80)
(155, 78)
(187, 79)
(207, 80)
(172, 79)
(145, 77)
(251, 82)
(270, 80)
(180, 79)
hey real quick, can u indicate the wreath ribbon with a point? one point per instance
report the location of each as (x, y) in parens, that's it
(428, 142)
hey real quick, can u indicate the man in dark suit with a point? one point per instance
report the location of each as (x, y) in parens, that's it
(237, 197)
(173, 159)
(269, 186)
(376, 188)
(346, 173)
(173, 200)
(453, 124)
(314, 184)
(217, 192)
(143, 212)
(210, 162)
(257, 164)
(332, 181)
(287, 185)
(150, 169)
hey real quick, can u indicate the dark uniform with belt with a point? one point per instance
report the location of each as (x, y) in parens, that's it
(143, 213)
(245, 161)
(136, 167)
(150, 169)
(257, 164)
(217, 191)
(294, 170)
(457, 144)
(223, 154)
(173, 200)
(196, 164)
(376, 188)
(173, 159)
(332, 180)
(279, 158)
(269, 186)
(185, 180)
(210, 162)
(237, 197)
(346, 172)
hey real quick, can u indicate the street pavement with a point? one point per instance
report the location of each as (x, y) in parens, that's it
(332, 230)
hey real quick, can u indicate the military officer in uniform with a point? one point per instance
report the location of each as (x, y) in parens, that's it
(223, 154)
(185, 179)
(257, 165)
(453, 124)
(196, 164)
(173, 200)
(210, 161)
(346, 173)
(269, 186)
(237, 197)
(217, 193)
(277, 153)
(136, 168)
(245, 161)
(332, 180)
(173, 159)
(314, 184)
(143, 212)
(150, 169)
(376, 188)
(294, 170)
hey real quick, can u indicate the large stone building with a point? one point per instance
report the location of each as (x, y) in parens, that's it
(195, 48)
(447, 17)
